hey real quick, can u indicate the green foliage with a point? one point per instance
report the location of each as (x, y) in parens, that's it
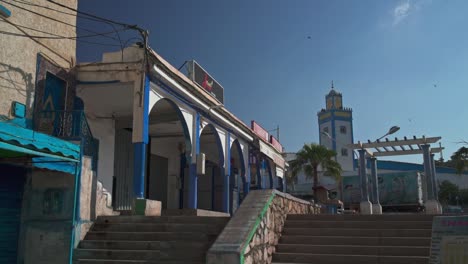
(448, 192)
(460, 160)
(309, 158)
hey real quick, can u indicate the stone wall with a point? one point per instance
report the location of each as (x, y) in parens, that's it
(253, 232)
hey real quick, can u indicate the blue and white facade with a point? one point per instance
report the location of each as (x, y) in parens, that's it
(153, 123)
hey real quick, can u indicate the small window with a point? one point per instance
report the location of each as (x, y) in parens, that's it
(344, 152)
(325, 130)
(342, 129)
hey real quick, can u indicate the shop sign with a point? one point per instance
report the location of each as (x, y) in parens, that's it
(271, 153)
(260, 131)
(204, 79)
(276, 144)
(449, 240)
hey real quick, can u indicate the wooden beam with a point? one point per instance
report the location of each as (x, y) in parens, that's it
(417, 141)
(405, 152)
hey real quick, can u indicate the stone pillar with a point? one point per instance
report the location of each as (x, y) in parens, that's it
(376, 207)
(365, 205)
(431, 204)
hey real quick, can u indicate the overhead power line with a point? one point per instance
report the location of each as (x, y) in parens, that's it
(56, 20)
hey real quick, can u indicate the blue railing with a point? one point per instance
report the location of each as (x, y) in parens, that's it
(71, 126)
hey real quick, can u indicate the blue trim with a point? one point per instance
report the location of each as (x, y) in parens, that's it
(192, 198)
(352, 140)
(406, 166)
(187, 103)
(139, 161)
(197, 136)
(76, 208)
(146, 97)
(226, 189)
(97, 82)
(333, 133)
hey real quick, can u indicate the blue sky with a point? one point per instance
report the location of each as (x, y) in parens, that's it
(399, 63)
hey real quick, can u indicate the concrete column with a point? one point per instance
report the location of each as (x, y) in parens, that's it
(365, 205)
(434, 182)
(140, 135)
(139, 169)
(226, 183)
(193, 177)
(376, 207)
(432, 206)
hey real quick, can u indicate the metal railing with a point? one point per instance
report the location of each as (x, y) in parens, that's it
(71, 126)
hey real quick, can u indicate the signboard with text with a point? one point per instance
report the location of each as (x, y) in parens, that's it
(202, 78)
(449, 242)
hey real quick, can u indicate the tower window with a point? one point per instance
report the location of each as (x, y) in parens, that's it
(342, 129)
(344, 152)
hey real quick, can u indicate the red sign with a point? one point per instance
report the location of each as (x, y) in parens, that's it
(276, 144)
(259, 130)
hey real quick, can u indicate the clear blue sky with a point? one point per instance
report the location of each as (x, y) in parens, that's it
(399, 63)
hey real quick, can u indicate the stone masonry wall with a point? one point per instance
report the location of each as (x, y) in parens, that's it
(262, 246)
(253, 232)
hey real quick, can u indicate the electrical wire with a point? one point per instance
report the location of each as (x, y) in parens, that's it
(56, 20)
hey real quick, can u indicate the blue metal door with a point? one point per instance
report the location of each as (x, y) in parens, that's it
(11, 195)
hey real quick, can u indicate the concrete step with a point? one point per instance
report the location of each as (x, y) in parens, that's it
(354, 250)
(340, 259)
(143, 245)
(383, 217)
(107, 261)
(360, 224)
(162, 219)
(150, 236)
(360, 232)
(213, 228)
(153, 255)
(364, 241)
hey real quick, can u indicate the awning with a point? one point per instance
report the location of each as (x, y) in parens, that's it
(271, 153)
(17, 141)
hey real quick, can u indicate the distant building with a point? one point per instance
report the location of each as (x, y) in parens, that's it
(336, 132)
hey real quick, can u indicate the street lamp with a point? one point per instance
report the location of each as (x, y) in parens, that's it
(392, 130)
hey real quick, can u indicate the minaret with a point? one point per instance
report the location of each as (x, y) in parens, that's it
(337, 121)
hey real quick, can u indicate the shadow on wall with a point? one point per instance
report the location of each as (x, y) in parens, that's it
(16, 81)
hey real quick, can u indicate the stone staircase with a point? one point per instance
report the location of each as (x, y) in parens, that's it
(363, 239)
(149, 240)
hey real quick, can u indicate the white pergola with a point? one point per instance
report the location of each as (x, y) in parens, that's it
(396, 147)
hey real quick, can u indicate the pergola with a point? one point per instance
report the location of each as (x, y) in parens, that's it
(374, 149)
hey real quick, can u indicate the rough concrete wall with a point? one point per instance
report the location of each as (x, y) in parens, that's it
(256, 227)
(46, 217)
(18, 55)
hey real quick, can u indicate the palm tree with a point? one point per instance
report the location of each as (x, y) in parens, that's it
(309, 158)
(460, 160)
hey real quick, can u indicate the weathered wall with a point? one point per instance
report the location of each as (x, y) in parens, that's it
(253, 232)
(46, 217)
(18, 55)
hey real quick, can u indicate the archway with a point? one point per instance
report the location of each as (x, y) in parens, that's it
(211, 185)
(168, 156)
(237, 176)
